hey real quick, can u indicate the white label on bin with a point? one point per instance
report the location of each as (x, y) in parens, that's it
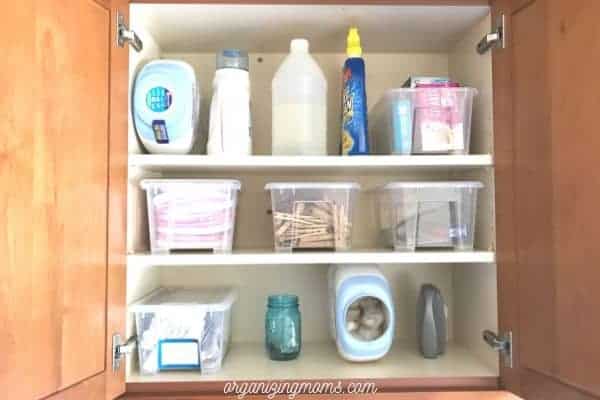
(436, 136)
(457, 142)
(180, 353)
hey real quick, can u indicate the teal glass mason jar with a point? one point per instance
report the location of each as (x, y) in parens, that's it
(283, 331)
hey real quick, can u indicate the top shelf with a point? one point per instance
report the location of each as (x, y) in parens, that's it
(177, 163)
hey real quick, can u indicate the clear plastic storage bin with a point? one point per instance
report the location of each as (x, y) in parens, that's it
(191, 214)
(183, 329)
(428, 214)
(422, 121)
(312, 215)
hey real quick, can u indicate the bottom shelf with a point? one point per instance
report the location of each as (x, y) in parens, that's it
(320, 361)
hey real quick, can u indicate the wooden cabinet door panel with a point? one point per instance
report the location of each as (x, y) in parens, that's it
(574, 54)
(555, 59)
(54, 168)
(533, 185)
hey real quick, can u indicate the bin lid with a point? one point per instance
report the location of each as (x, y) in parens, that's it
(460, 89)
(313, 185)
(434, 185)
(208, 299)
(231, 183)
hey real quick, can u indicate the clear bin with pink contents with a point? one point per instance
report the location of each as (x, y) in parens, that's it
(423, 120)
(191, 214)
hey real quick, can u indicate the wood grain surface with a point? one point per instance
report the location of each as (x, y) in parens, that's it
(350, 2)
(473, 395)
(574, 64)
(53, 166)
(117, 201)
(504, 169)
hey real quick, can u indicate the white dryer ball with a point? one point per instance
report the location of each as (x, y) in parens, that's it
(353, 314)
(367, 334)
(373, 319)
(352, 326)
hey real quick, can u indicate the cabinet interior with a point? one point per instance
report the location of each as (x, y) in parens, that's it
(398, 41)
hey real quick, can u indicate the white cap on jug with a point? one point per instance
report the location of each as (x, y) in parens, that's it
(299, 46)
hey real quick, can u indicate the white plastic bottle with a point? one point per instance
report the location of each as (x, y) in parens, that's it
(230, 124)
(299, 104)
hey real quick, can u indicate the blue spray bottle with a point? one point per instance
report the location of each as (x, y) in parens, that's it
(355, 140)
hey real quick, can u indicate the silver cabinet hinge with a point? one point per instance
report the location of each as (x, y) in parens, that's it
(503, 344)
(125, 35)
(120, 349)
(495, 39)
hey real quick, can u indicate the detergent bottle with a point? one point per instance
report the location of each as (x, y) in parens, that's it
(355, 140)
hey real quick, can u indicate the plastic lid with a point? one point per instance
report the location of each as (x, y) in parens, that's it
(209, 299)
(353, 48)
(299, 46)
(400, 91)
(312, 185)
(233, 184)
(232, 58)
(433, 185)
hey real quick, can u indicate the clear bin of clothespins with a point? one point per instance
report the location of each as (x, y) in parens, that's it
(312, 215)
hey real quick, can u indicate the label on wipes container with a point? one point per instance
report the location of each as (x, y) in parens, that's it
(159, 127)
(159, 99)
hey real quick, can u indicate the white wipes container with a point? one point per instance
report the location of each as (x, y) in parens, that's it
(191, 214)
(299, 125)
(428, 214)
(165, 106)
(230, 123)
(310, 215)
(183, 329)
(362, 312)
(428, 120)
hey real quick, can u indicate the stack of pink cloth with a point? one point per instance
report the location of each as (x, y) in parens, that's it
(190, 216)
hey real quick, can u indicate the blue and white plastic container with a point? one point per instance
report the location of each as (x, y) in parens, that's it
(362, 312)
(166, 106)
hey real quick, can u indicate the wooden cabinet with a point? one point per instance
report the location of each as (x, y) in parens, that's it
(55, 206)
(72, 242)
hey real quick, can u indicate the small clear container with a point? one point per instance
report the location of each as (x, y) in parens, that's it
(183, 329)
(191, 214)
(428, 214)
(431, 120)
(312, 215)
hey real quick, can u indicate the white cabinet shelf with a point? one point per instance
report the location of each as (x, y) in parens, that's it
(174, 163)
(351, 257)
(321, 361)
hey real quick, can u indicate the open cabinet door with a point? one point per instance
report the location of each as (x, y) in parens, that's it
(548, 164)
(62, 224)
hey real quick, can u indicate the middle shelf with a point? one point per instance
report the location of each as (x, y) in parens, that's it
(328, 164)
(268, 257)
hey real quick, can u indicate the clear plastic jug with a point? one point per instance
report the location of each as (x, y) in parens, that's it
(299, 104)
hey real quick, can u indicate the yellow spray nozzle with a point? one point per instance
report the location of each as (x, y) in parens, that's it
(353, 48)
